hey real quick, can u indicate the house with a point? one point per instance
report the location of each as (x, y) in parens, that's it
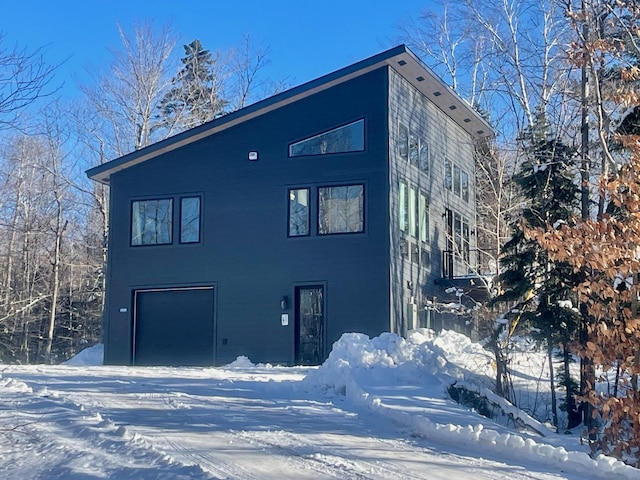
(332, 207)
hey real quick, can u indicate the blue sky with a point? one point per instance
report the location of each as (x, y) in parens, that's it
(306, 39)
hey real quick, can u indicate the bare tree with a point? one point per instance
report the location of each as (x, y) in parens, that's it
(127, 96)
(24, 78)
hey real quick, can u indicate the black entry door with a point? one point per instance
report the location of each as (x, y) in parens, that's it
(310, 325)
(174, 327)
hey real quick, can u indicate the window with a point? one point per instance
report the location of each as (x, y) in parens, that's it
(403, 142)
(465, 186)
(423, 156)
(465, 241)
(457, 232)
(456, 180)
(298, 212)
(348, 138)
(447, 175)
(423, 211)
(403, 204)
(151, 222)
(414, 149)
(341, 209)
(413, 213)
(190, 220)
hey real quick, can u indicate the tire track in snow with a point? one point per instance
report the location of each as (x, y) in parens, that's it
(324, 458)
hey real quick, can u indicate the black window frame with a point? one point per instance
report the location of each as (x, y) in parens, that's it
(329, 130)
(170, 217)
(180, 219)
(289, 190)
(319, 211)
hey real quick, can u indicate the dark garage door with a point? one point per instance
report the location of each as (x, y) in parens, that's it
(173, 327)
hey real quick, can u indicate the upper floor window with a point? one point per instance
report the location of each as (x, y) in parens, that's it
(190, 220)
(448, 183)
(403, 142)
(413, 212)
(298, 212)
(341, 209)
(403, 206)
(347, 138)
(413, 148)
(465, 186)
(457, 183)
(152, 222)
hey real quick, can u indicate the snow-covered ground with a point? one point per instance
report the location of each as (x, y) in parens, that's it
(376, 409)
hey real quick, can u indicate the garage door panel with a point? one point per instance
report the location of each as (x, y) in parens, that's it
(174, 327)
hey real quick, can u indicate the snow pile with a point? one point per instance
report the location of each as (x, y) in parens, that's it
(91, 356)
(358, 368)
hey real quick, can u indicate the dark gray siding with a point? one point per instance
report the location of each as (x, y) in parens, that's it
(245, 252)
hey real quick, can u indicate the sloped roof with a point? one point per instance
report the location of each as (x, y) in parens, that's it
(400, 58)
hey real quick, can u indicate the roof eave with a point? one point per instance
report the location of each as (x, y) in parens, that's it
(400, 58)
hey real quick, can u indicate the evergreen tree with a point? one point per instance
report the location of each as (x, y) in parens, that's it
(539, 287)
(196, 96)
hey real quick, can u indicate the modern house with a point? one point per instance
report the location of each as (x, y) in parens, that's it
(335, 206)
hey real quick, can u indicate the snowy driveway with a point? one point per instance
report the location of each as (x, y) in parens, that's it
(229, 423)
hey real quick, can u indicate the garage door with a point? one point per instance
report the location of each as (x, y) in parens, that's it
(174, 327)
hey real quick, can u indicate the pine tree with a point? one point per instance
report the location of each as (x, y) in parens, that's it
(541, 288)
(196, 96)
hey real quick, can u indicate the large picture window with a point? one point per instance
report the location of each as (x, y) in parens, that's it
(347, 138)
(298, 212)
(151, 222)
(341, 209)
(190, 220)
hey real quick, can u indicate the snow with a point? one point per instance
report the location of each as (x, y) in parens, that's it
(376, 409)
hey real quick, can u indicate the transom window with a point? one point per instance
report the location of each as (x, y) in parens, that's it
(347, 138)
(341, 209)
(151, 222)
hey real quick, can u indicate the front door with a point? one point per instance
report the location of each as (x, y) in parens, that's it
(310, 329)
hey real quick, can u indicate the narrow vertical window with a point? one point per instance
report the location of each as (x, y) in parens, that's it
(403, 203)
(457, 229)
(465, 241)
(151, 222)
(456, 180)
(298, 212)
(413, 217)
(341, 209)
(465, 186)
(423, 156)
(190, 220)
(414, 149)
(423, 211)
(403, 142)
(447, 174)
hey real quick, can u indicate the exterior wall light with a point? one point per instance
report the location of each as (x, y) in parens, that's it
(284, 303)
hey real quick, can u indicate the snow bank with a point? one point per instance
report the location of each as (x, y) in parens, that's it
(357, 365)
(91, 356)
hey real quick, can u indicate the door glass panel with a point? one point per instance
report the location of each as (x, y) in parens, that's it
(310, 316)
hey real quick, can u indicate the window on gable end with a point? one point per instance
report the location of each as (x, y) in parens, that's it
(151, 222)
(341, 209)
(298, 212)
(344, 139)
(190, 220)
